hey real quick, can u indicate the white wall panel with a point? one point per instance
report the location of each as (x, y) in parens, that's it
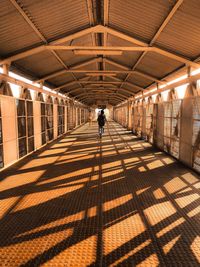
(10, 151)
(65, 119)
(9, 126)
(55, 120)
(37, 123)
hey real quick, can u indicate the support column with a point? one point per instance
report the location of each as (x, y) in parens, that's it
(6, 69)
(130, 123)
(4, 86)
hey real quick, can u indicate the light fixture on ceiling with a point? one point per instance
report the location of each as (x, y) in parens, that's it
(98, 52)
(100, 74)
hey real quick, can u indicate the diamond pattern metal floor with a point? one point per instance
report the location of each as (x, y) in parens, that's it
(83, 201)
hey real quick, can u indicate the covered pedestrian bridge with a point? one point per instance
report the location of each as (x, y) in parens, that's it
(68, 197)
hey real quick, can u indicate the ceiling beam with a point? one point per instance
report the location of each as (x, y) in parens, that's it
(105, 93)
(31, 24)
(130, 71)
(70, 83)
(155, 49)
(72, 69)
(100, 97)
(40, 35)
(91, 21)
(41, 48)
(100, 48)
(161, 28)
(101, 29)
(103, 82)
(99, 88)
(128, 83)
(166, 21)
(105, 12)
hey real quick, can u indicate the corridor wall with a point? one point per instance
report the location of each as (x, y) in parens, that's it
(28, 124)
(173, 125)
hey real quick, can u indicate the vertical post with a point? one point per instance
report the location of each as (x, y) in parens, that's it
(129, 115)
(6, 69)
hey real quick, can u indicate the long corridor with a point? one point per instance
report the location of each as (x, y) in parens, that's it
(85, 201)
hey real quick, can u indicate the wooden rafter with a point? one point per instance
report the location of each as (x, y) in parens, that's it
(40, 35)
(41, 48)
(126, 69)
(102, 29)
(72, 69)
(100, 48)
(161, 28)
(107, 88)
(117, 80)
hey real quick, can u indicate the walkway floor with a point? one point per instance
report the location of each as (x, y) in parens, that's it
(86, 202)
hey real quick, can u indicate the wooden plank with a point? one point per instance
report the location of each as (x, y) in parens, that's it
(99, 48)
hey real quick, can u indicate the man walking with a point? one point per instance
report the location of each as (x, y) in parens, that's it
(101, 121)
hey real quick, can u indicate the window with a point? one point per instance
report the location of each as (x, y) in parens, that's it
(149, 122)
(43, 123)
(30, 127)
(196, 134)
(25, 126)
(172, 127)
(46, 122)
(49, 122)
(1, 142)
(61, 119)
(21, 122)
(167, 125)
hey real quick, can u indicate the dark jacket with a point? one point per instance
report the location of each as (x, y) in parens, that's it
(101, 119)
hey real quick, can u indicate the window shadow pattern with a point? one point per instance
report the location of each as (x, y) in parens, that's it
(84, 201)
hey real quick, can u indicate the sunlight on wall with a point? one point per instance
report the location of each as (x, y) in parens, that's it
(16, 90)
(19, 77)
(154, 97)
(23, 79)
(180, 90)
(165, 95)
(194, 72)
(178, 79)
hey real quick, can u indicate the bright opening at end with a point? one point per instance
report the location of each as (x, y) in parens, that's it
(98, 110)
